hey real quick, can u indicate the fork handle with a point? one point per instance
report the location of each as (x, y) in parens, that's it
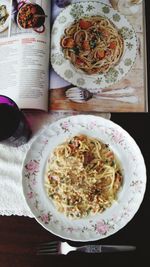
(104, 248)
(90, 249)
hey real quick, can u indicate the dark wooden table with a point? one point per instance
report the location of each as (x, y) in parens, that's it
(19, 236)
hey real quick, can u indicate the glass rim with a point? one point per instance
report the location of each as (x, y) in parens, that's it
(11, 101)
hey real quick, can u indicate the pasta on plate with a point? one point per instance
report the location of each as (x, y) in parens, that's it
(92, 44)
(82, 177)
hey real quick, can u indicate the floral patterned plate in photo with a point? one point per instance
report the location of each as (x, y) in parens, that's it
(130, 196)
(65, 68)
(4, 20)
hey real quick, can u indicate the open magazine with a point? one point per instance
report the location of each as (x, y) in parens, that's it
(38, 71)
(24, 50)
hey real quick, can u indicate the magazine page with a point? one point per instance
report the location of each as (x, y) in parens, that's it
(24, 50)
(79, 85)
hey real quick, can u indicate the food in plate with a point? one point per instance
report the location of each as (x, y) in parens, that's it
(31, 16)
(92, 44)
(83, 177)
(3, 14)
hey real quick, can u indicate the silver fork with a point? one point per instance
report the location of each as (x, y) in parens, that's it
(80, 95)
(57, 248)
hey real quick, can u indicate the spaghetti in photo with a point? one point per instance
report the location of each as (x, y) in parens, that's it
(83, 177)
(92, 44)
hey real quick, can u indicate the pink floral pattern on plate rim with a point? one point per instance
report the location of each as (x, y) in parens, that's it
(114, 218)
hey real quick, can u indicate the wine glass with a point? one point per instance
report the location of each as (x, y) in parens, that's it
(15, 129)
(62, 3)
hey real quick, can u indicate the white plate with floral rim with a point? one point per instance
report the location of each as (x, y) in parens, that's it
(65, 68)
(112, 219)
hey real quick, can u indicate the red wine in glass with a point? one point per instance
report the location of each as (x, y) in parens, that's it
(14, 127)
(62, 3)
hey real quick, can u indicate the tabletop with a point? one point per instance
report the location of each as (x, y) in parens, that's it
(19, 236)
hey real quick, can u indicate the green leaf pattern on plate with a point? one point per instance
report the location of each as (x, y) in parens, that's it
(57, 59)
(80, 81)
(106, 9)
(128, 62)
(116, 17)
(111, 75)
(121, 70)
(126, 33)
(129, 45)
(90, 7)
(68, 74)
(77, 11)
(98, 80)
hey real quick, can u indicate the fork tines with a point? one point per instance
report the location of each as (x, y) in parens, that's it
(48, 248)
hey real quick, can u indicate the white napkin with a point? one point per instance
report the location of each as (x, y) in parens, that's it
(12, 201)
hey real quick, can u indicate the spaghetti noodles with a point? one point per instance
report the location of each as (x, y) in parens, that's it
(92, 44)
(82, 177)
